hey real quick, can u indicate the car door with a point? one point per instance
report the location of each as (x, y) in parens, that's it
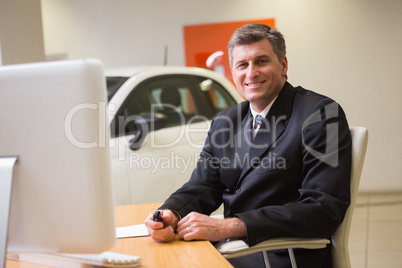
(164, 154)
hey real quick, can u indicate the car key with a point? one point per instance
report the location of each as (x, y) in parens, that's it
(157, 216)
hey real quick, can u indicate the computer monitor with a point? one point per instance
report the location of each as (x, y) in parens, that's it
(53, 119)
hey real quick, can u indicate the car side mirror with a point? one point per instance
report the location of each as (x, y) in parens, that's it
(143, 124)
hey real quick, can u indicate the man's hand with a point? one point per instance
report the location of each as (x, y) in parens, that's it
(162, 231)
(196, 226)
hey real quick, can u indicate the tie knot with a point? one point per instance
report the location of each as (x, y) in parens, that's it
(258, 121)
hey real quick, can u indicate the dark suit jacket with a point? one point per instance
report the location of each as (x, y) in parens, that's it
(292, 180)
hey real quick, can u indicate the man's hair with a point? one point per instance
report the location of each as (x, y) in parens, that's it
(251, 33)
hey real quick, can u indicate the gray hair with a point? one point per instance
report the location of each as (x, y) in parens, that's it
(251, 33)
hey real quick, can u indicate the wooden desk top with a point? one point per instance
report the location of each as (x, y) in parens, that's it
(174, 254)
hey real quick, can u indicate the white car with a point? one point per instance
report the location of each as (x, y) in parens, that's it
(159, 118)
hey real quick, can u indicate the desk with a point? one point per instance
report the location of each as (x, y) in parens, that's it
(174, 254)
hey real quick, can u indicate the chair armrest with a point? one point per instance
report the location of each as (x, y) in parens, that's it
(238, 248)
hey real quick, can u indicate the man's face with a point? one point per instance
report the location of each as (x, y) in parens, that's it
(258, 74)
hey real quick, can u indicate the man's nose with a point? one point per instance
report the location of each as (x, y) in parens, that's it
(253, 71)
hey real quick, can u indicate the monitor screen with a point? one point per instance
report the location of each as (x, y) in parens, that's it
(53, 118)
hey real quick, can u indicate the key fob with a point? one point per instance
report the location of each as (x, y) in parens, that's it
(157, 216)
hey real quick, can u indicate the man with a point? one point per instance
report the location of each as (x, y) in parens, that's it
(287, 175)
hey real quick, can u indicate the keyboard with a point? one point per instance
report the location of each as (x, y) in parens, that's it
(68, 260)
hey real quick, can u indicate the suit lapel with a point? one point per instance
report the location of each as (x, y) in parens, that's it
(240, 145)
(269, 132)
(272, 127)
(243, 137)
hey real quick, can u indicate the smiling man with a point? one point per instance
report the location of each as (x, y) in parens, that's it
(258, 73)
(306, 195)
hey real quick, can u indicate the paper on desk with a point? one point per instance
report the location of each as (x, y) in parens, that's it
(131, 231)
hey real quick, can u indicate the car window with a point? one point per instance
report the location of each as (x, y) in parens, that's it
(180, 98)
(216, 96)
(113, 84)
(175, 102)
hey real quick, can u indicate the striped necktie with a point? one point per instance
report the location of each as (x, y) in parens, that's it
(257, 124)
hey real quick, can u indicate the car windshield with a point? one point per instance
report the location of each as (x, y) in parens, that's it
(113, 83)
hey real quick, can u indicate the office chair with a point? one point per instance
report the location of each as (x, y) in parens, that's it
(340, 240)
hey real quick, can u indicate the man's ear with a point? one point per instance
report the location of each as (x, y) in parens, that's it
(284, 66)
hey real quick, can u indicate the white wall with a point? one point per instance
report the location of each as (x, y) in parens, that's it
(349, 50)
(21, 32)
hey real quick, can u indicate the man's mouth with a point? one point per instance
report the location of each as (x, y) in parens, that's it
(255, 84)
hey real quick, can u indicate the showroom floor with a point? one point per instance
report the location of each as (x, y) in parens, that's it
(376, 232)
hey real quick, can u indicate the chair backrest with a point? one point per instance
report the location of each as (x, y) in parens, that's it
(340, 250)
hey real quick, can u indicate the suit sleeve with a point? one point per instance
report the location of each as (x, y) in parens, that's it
(324, 195)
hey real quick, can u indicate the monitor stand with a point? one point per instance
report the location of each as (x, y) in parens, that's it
(6, 177)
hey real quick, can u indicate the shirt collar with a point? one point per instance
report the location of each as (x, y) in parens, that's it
(265, 111)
